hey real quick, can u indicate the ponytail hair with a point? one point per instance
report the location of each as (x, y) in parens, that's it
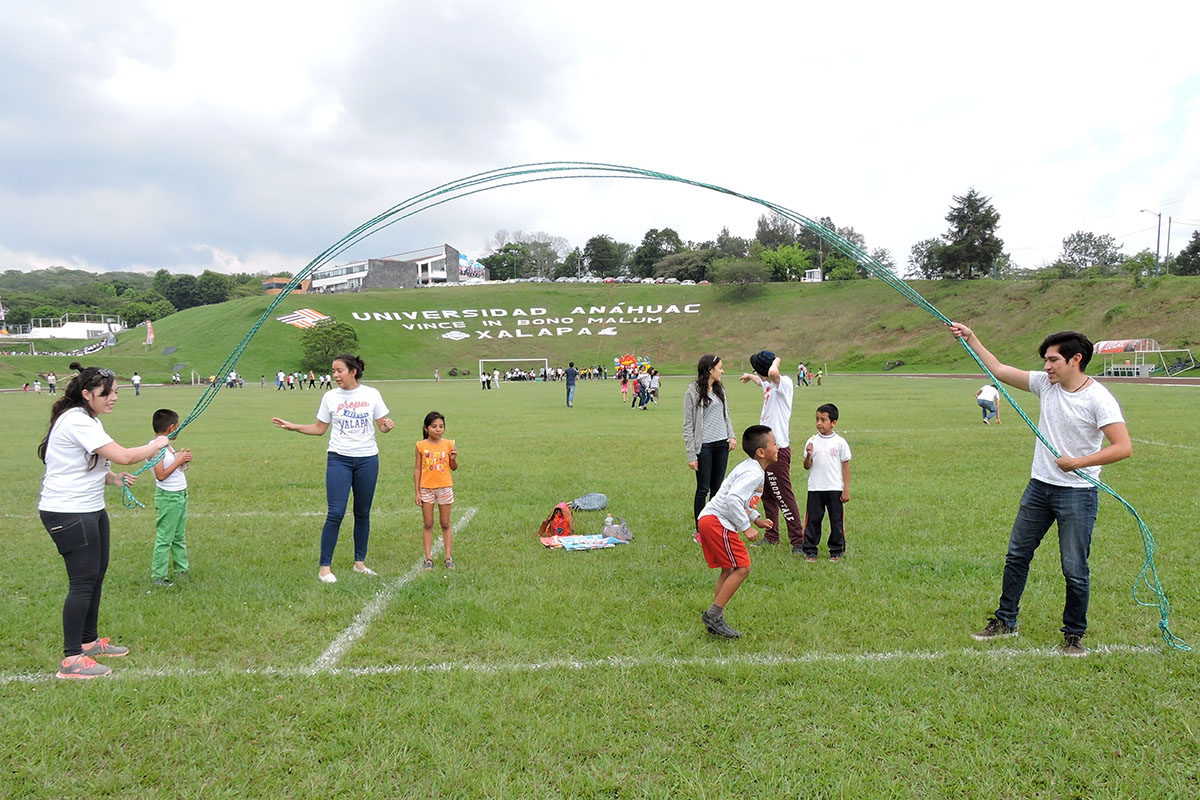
(96, 380)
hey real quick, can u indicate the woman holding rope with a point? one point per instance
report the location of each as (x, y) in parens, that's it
(77, 453)
(352, 461)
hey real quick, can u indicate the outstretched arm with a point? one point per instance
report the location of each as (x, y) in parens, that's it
(1017, 378)
(317, 428)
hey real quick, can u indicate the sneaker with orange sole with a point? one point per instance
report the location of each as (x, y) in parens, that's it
(104, 647)
(81, 667)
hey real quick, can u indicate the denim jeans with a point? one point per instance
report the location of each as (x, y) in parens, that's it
(989, 408)
(710, 472)
(1074, 509)
(570, 393)
(343, 473)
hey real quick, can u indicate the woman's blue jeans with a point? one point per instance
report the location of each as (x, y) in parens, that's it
(343, 473)
(1042, 504)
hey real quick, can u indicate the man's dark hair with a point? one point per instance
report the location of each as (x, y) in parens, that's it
(754, 437)
(828, 409)
(571, 364)
(1070, 344)
(163, 419)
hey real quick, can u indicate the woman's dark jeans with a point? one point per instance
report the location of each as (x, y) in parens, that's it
(710, 471)
(343, 473)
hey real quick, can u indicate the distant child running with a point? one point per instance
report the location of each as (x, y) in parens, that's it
(436, 459)
(730, 512)
(827, 458)
(170, 501)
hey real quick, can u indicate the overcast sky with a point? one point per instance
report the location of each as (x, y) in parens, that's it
(249, 136)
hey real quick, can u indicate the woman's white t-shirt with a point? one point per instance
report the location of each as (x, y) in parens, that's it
(74, 478)
(351, 414)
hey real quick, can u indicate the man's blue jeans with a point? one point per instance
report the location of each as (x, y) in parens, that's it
(989, 408)
(1074, 509)
(343, 473)
(570, 393)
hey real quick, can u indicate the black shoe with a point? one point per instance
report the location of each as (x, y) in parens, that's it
(1073, 646)
(996, 629)
(717, 626)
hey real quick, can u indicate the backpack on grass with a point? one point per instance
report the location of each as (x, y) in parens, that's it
(561, 522)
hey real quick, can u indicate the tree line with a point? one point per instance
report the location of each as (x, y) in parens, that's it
(780, 250)
(783, 251)
(135, 297)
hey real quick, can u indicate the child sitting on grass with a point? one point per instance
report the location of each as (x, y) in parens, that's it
(731, 511)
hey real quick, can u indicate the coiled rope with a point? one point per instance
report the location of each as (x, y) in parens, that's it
(1147, 579)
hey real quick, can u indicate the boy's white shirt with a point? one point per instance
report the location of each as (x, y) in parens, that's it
(736, 503)
(777, 408)
(829, 452)
(176, 481)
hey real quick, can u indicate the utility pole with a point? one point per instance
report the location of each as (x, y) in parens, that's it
(1158, 238)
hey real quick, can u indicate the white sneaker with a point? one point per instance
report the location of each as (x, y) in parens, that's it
(366, 571)
(328, 577)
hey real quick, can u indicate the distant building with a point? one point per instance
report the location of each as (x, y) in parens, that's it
(427, 267)
(275, 285)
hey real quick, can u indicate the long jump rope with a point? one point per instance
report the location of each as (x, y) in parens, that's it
(1147, 579)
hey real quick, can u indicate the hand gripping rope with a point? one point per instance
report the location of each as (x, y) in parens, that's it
(1147, 578)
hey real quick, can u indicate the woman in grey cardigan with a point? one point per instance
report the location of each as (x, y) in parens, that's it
(707, 430)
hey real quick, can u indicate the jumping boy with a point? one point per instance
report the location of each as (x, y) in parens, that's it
(1077, 415)
(731, 511)
(827, 459)
(170, 502)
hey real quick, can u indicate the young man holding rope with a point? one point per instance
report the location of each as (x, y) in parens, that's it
(1077, 415)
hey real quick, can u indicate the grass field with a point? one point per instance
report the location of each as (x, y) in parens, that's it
(530, 673)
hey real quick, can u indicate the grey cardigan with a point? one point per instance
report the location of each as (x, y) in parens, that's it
(693, 422)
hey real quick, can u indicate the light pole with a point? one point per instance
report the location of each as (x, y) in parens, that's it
(1158, 238)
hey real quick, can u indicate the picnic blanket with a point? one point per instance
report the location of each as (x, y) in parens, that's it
(595, 541)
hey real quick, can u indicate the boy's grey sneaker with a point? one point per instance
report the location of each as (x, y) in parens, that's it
(162, 582)
(82, 668)
(996, 629)
(1073, 645)
(717, 625)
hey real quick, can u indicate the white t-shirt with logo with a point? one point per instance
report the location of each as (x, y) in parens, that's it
(736, 503)
(829, 452)
(74, 478)
(351, 415)
(777, 408)
(1071, 421)
(989, 393)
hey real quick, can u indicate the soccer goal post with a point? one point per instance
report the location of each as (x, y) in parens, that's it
(505, 364)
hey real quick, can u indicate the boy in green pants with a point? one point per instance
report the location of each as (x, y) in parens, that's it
(170, 501)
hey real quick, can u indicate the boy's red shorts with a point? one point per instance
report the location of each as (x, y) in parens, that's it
(723, 548)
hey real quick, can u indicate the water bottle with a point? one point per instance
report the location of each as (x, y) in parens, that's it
(608, 521)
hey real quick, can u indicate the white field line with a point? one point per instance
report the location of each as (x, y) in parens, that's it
(572, 665)
(1165, 444)
(355, 631)
(263, 512)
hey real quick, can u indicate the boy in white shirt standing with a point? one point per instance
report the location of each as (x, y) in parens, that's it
(827, 458)
(170, 503)
(732, 510)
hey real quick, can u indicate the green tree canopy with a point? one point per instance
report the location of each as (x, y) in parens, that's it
(656, 245)
(775, 231)
(787, 263)
(1097, 254)
(604, 257)
(970, 248)
(686, 266)
(1187, 262)
(510, 261)
(325, 340)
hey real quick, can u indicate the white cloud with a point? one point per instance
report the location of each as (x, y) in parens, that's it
(265, 131)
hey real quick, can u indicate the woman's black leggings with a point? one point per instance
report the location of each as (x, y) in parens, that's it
(710, 472)
(82, 540)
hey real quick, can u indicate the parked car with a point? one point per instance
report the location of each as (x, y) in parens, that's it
(610, 280)
(704, 283)
(687, 283)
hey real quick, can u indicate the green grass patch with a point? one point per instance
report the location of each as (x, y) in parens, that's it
(531, 673)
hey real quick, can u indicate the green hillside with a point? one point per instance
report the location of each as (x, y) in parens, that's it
(855, 326)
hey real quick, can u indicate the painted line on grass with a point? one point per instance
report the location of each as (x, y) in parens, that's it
(583, 665)
(1165, 444)
(328, 660)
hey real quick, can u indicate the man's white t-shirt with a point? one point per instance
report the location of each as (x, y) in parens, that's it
(351, 415)
(1071, 421)
(136, 380)
(989, 393)
(777, 408)
(829, 452)
(74, 480)
(736, 503)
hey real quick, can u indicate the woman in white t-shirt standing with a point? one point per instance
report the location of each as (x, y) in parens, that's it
(352, 461)
(77, 453)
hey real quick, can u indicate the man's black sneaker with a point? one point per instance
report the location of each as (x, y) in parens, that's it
(996, 629)
(1073, 645)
